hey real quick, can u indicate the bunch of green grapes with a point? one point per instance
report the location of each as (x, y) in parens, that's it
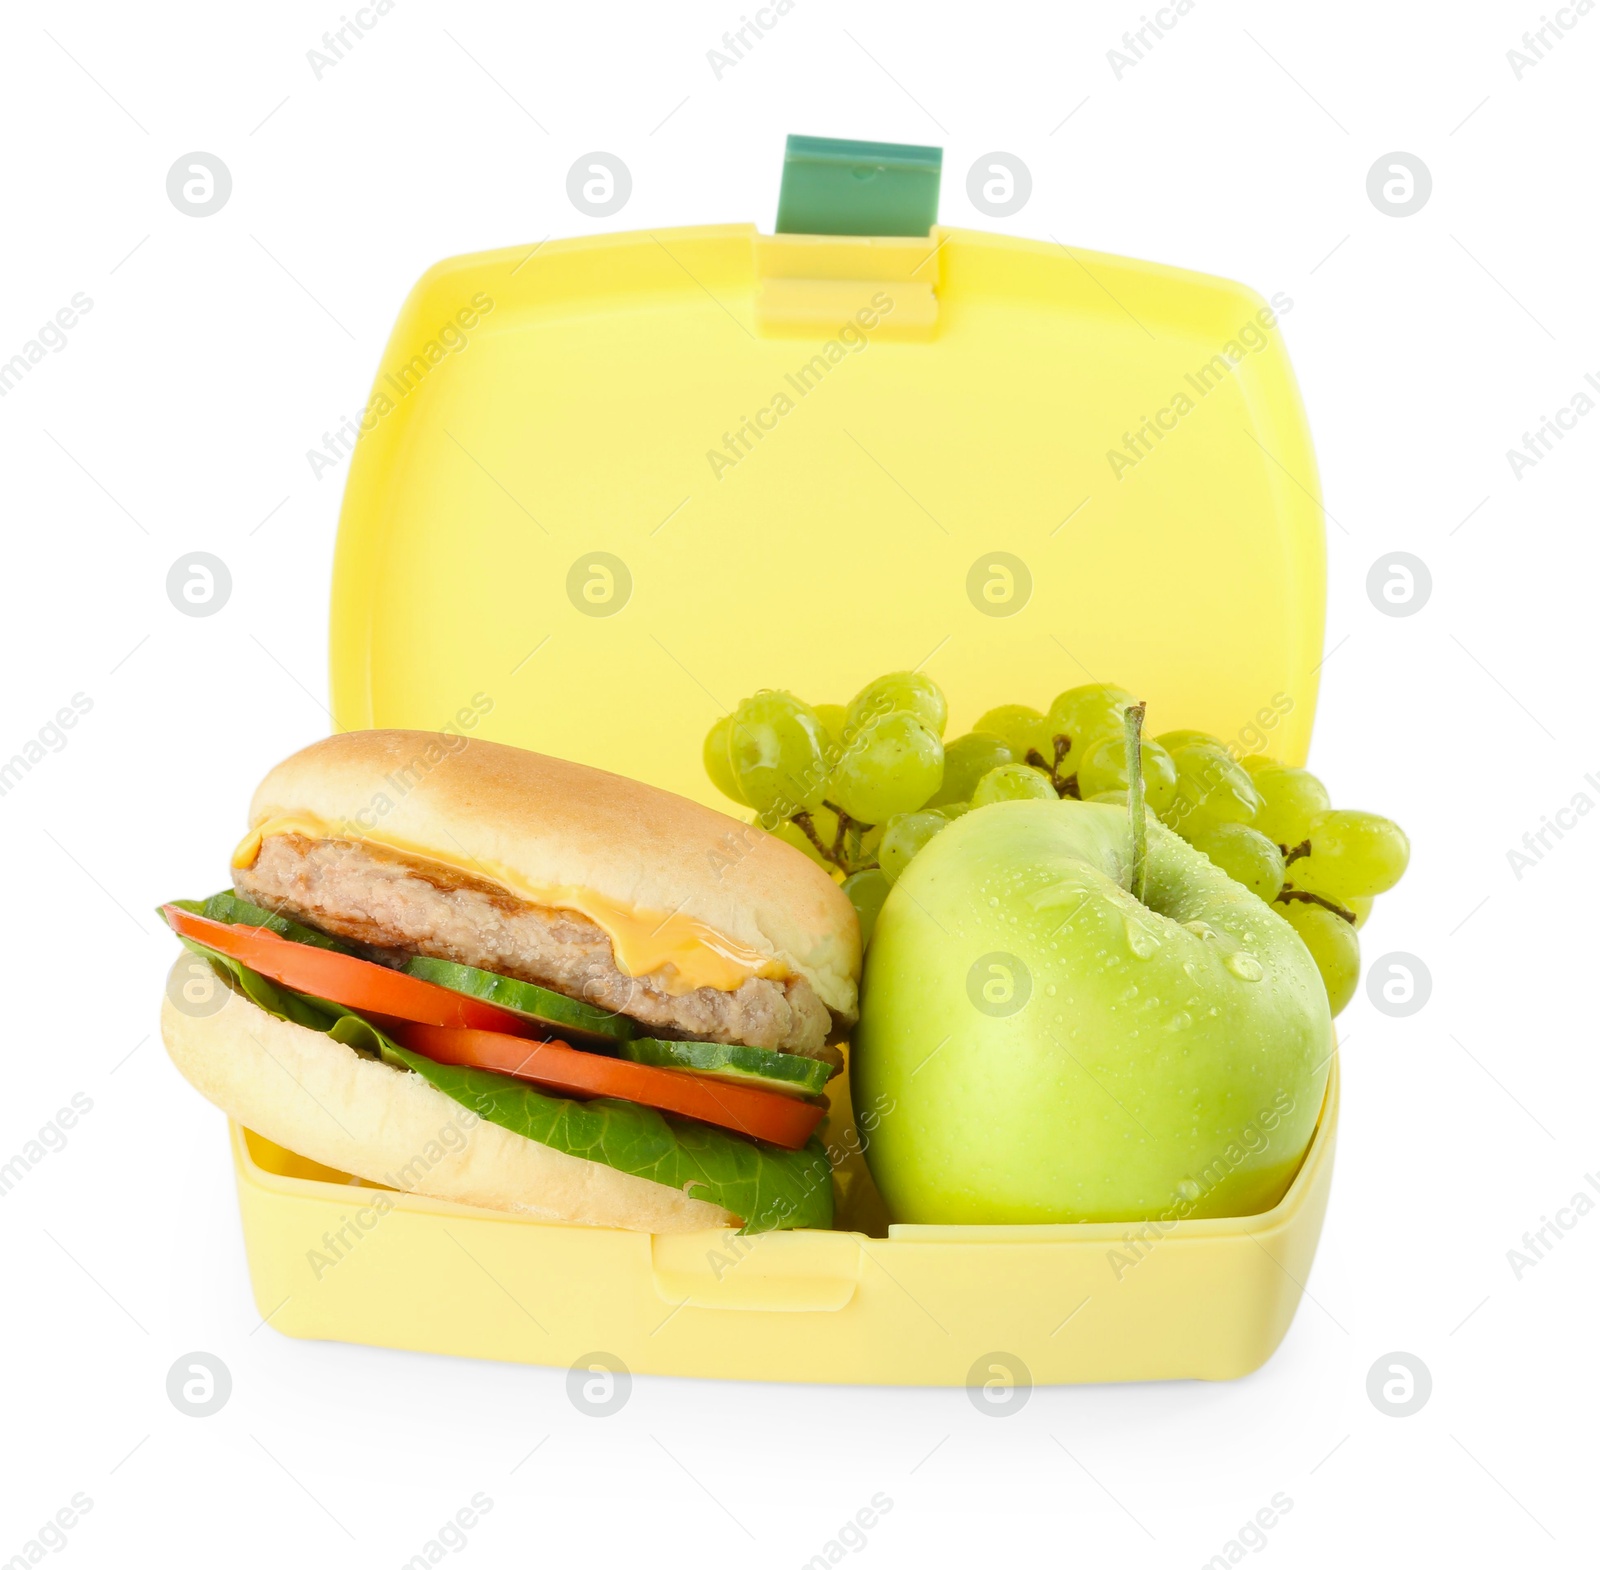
(862, 787)
(1274, 829)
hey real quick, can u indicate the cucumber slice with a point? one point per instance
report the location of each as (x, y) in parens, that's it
(785, 1071)
(225, 905)
(564, 1015)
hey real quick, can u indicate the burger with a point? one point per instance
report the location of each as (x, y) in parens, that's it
(473, 972)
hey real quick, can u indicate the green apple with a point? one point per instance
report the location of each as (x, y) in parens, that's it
(1049, 1048)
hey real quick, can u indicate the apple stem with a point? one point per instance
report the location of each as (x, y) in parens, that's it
(1132, 723)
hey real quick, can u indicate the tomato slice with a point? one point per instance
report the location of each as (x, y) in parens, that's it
(762, 1114)
(358, 984)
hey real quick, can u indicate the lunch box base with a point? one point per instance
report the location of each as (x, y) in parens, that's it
(338, 1260)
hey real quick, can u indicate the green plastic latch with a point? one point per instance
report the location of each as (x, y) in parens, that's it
(843, 187)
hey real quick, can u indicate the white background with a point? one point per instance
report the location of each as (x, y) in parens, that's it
(177, 417)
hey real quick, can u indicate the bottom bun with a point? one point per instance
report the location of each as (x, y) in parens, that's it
(312, 1095)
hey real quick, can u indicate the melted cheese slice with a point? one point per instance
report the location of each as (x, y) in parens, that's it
(688, 953)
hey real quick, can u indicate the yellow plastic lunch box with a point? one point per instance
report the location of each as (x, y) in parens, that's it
(606, 487)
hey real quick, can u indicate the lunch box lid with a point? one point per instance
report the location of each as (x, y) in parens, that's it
(606, 487)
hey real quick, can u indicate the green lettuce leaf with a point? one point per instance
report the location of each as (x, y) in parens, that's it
(770, 1188)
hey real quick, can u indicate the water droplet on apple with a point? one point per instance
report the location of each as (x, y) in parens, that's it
(1179, 1021)
(1141, 939)
(1201, 929)
(1245, 966)
(1188, 1189)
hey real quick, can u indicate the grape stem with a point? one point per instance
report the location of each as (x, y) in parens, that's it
(1132, 723)
(1065, 785)
(840, 854)
(1307, 897)
(1292, 854)
(845, 823)
(802, 821)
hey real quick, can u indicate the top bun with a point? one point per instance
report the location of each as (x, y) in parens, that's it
(471, 803)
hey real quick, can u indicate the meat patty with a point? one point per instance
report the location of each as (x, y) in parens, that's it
(400, 907)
